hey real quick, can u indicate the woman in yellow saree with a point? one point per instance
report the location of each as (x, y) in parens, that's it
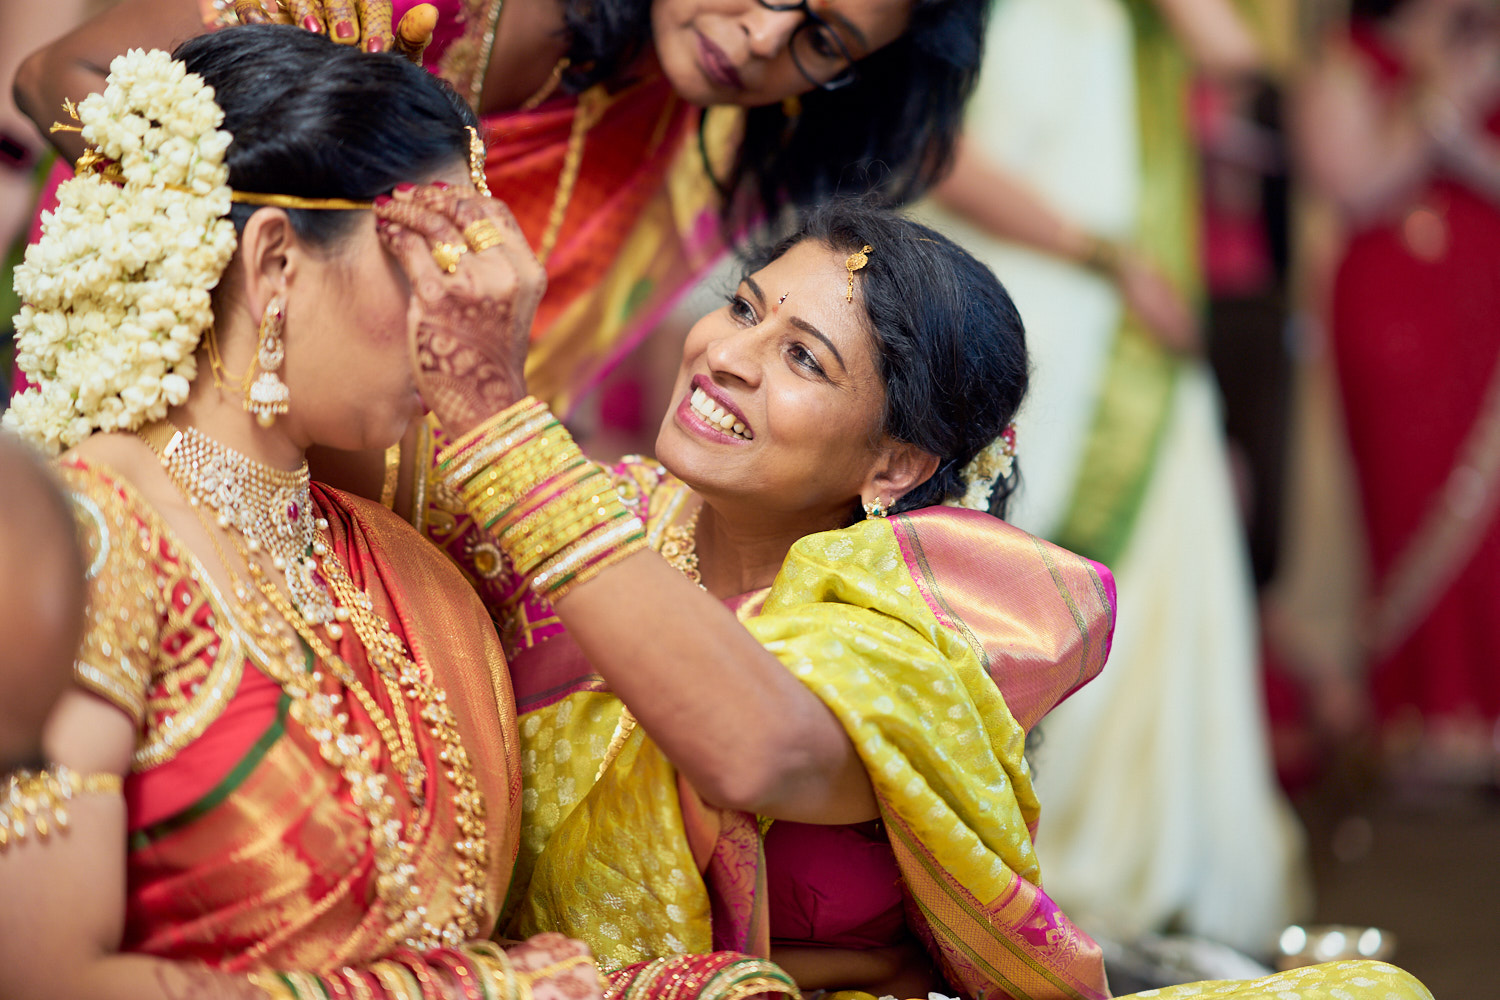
(799, 729)
(291, 769)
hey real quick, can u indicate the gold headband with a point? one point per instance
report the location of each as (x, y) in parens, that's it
(854, 262)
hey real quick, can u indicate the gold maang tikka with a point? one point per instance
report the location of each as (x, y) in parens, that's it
(854, 262)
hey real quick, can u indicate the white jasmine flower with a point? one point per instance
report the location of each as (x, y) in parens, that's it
(116, 291)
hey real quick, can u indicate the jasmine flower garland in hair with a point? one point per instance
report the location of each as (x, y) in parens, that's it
(116, 292)
(988, 467)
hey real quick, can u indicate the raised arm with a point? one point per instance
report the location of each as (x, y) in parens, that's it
(75, 65)
(741, 728)
(1369, 144)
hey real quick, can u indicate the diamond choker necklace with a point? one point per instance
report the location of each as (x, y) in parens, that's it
(271, 508)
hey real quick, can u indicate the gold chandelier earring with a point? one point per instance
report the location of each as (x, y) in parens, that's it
(266, 396)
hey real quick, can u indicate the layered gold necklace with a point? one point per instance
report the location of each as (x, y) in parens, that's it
(269, 511)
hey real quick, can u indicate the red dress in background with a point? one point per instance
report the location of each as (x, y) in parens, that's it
(1416, 330)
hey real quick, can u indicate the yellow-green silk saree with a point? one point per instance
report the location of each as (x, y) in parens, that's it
(937, 638)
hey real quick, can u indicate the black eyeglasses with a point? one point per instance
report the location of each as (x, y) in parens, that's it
(817, 50)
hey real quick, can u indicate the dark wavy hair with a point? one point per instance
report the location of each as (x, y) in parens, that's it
(889, 135)
(321, 120)
(949, 341)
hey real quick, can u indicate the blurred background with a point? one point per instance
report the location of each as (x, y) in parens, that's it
(1257, 247)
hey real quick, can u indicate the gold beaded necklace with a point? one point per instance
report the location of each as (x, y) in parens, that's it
(320, 714)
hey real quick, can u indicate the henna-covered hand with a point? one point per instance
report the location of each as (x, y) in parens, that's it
(469, 328)
(366, 23)
(573, 980)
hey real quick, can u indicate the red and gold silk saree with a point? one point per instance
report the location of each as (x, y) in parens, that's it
(245, 847)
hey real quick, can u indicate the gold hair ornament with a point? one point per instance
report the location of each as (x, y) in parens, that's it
(854, 262)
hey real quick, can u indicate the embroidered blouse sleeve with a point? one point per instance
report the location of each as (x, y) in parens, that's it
(125, 605)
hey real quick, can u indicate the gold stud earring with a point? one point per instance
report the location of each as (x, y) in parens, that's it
(876, 508)
(267, 395)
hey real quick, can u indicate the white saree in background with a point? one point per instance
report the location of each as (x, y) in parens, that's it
(1159, 808)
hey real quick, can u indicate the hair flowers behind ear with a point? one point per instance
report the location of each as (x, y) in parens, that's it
(994, 463)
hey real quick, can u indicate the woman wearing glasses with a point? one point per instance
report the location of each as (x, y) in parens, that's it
(607, 129)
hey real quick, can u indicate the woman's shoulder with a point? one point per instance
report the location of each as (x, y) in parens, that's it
(108, 470)
(1039, 618)
(128, 552)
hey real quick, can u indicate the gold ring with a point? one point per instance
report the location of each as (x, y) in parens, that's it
(447, 255)
(482, 234)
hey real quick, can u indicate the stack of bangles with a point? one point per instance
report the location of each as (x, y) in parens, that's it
(553, 512)
(479, 970)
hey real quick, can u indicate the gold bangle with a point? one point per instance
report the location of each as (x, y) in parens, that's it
(1103, 257)
(305, 985)
(396, 980)
(554, 513)
(497, 968)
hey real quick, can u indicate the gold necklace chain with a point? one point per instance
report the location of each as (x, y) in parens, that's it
(320, 716)
(679, 548)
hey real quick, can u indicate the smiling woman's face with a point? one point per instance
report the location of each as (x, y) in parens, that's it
(739, 52)
(779, 398)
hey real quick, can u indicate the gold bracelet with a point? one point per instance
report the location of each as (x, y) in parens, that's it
(38, 800)
(554, 513)
(495, 967)
(397, 981)
(305, 985)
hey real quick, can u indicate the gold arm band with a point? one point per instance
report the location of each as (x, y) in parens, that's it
(39, 800)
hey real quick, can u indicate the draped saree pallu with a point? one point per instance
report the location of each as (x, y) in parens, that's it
(246, 849)
(937, 638)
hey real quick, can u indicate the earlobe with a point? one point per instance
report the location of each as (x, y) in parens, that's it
(268, 252)
(902, 468)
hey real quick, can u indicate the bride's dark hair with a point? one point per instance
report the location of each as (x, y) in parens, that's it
(321, 120)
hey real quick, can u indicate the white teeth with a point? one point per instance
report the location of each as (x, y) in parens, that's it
(716, 415)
